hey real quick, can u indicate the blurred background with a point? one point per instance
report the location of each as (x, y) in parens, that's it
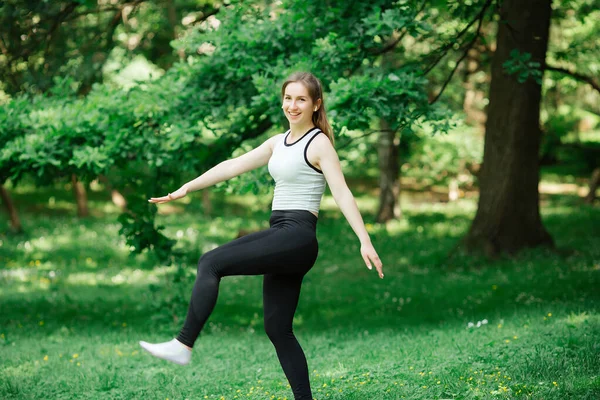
(468, 131)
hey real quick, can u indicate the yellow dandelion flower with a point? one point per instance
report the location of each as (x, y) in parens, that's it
(549, 314)
(41, 323)
(45, 358)
(75, 355)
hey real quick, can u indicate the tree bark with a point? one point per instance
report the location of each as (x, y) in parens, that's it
(508, 216)
(80, 197)
(594, 182)
(117, 198)
(389, 174)
(206, 202)
(15, 222)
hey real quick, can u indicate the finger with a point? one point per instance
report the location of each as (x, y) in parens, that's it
(378, 266)
(159, 200)
(368, 262)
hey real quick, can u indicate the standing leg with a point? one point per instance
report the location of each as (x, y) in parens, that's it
(280, 298)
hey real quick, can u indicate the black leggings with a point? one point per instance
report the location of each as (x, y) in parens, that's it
(284, 253)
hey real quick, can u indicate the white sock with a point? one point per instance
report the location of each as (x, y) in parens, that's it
(173, 351)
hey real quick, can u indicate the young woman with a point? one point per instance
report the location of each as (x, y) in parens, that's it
(301, 161)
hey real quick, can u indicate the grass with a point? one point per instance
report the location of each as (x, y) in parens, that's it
(73, 305)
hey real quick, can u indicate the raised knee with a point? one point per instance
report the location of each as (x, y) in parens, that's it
(205, 263)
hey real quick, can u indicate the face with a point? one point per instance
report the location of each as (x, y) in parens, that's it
(298, 107)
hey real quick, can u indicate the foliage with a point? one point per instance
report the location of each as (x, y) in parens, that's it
(521, 65)
(440, 160)
(43, 40)
(160, 133)
(373, 58)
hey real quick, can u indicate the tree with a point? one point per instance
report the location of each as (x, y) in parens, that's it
(508, 216)
(154, 136)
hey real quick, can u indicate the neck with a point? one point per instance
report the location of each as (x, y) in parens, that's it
(298, 131)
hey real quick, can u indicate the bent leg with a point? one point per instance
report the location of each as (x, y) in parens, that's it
(255, 254)
(280, 298)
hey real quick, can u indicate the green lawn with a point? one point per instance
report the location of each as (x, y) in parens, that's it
(73, 305)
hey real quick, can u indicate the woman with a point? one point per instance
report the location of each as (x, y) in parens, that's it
(301, 161)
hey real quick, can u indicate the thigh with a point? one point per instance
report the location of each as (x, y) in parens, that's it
(265, 252)
(280, 299)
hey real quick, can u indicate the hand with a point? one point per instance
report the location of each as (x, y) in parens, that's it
(370, 256)
(178, 194)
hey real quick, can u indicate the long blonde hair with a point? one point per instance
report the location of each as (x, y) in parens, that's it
(315, 91)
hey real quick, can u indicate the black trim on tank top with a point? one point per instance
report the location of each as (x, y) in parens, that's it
(306, 150)
(286, 136)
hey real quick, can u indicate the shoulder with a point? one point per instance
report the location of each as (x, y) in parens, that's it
(322, 145)
(273, 140)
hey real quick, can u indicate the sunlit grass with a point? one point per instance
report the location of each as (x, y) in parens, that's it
(73, 305)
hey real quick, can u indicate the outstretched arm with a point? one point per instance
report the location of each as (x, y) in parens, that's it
(225, 170)
(330, 165)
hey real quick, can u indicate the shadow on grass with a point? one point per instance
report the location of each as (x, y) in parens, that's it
(339, 293)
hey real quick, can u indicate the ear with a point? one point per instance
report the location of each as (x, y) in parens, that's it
(317, 104)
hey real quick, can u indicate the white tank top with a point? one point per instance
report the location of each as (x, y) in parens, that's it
(299, 185)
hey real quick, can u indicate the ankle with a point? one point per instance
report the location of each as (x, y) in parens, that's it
(186, 346)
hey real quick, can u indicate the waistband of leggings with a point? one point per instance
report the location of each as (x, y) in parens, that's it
(303, 217)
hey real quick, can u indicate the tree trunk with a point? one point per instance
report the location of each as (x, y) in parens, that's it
(389, 174)
(15, 222)
(117, 198)
(594, 182)
(80, 197)
(206, 202)
(508, 215)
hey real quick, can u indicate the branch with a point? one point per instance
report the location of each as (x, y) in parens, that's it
(99, 10)
(392, 44)
(205, 16)
(58, 19)
(469, 46)
(444, 49)
(577, 76)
